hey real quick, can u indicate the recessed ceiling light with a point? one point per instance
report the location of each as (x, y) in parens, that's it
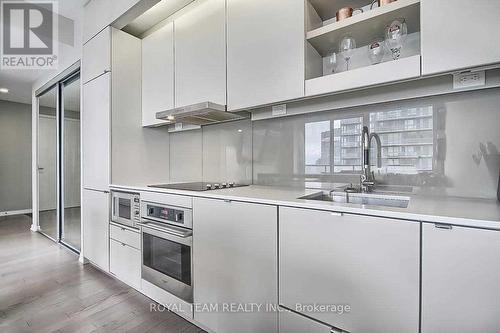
(4, 90)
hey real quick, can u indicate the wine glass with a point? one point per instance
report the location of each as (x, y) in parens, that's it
(395, 36)
(376, 51)
(346, 47)
(331, 65)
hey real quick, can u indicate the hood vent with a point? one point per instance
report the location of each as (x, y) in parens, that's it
(205, 113)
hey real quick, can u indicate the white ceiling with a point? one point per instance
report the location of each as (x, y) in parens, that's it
(20, 82)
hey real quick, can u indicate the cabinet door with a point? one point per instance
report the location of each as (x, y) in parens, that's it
(96, 136)
(157, 74)
(200, 54)
(367, 263)
(95, 214)
(459, 34)
(125, 263)
(96, 58)
(265, 52)
(291, 322)
(460, 280)
(235, 261)
(96, 16)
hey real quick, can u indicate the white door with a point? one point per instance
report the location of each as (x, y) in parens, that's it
(95, 219)
(235, 261)
(157, 74)
(370, 264)
(265, 52)
(459, 34)
(200, 54)
(96, 129)
(460, 280)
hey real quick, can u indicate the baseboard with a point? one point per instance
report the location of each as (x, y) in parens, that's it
(16, 212)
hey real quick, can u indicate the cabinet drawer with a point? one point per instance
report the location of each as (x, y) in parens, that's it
(291, 322)
(125, 263)
(126, 236)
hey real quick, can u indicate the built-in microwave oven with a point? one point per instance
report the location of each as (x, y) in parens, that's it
(126, 208)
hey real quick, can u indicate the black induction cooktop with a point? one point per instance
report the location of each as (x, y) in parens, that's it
(198, 186)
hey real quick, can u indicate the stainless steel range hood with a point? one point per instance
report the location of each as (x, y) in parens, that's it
(205, 113)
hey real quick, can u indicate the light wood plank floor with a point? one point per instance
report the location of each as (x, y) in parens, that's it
(43, 288)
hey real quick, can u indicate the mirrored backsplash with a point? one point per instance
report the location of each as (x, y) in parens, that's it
(443, 145)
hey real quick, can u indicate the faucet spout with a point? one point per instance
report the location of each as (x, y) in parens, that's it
(368, 178)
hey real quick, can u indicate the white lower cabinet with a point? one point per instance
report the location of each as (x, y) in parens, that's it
(460, 279)
(95, 219)
(125, 263)
(235, 262)
(291, 322)
(365, 268)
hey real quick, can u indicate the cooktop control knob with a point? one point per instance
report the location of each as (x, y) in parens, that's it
(231, 184)
(209, 186)
(216, 185)
(224, 185)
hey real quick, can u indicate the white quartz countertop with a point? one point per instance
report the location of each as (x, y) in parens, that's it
(479, 213)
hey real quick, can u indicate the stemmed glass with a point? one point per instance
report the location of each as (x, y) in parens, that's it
(346, 48)
(395, 36)
(376, 51)
(331, 62)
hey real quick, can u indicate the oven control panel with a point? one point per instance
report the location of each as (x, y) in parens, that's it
(167, 214)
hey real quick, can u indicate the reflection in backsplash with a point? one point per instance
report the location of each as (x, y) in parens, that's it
(221, 152)
(442, 145)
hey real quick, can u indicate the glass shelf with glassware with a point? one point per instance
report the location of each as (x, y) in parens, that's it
(374, 45)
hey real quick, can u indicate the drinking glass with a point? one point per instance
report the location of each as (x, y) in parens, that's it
(346, 47)
(395, 36)
(331, 65)
(376, 51)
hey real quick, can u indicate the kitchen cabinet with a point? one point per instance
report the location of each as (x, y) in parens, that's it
(96, 58)
(99, 14)
(95, 219)
(125, 263)
(368, 264)
(265, 52)
(291, 322)
(474, 25)
(96, 133)
(96, 16)
(460, 279)
(200, 54)
(235, 261)
(158, 74)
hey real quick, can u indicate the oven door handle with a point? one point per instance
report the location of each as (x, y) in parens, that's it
(171, 231)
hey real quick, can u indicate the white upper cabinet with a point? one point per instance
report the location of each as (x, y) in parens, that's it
(96, 58)
(158, 74)
(200, 54)
(265, 52)
(98, 14)
(459, 34)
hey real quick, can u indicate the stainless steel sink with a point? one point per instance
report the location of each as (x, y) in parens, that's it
(367, 199)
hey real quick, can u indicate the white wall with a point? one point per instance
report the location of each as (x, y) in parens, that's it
(15, 156)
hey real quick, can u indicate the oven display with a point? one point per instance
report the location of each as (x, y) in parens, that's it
(166, 214)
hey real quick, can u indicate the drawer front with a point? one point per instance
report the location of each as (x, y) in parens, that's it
(126, 236)
(291, 322)
(125, 263)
